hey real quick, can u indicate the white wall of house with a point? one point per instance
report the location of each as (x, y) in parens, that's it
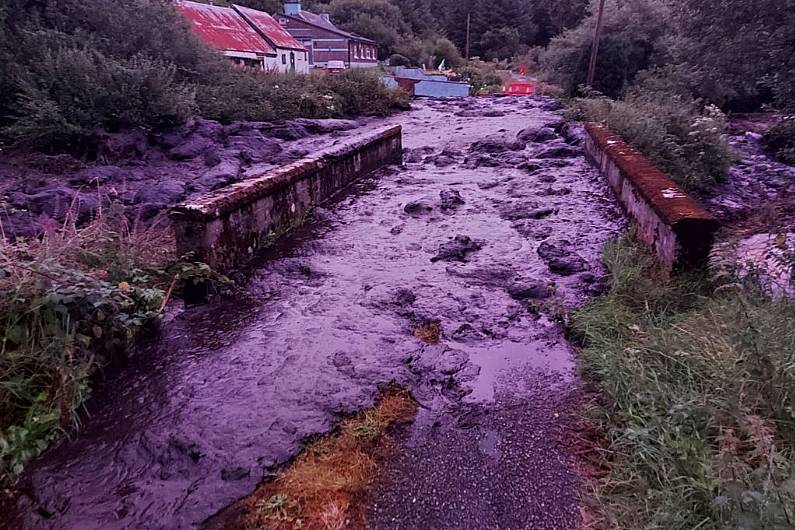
(281, 62)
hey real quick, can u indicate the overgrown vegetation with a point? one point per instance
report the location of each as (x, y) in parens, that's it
(679, 135)
(325, 486)
(66, 75)
(698, 391)
(670, 66)
(69, 303)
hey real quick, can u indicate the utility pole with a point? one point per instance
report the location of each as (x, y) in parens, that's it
(595, 46)
(469, 25)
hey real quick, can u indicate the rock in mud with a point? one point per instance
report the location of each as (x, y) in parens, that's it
(124, 145)
(56, 202)
(451, 199)
(487, 185)
(415, 156)
(496, 145)
(163, 193)
(457, 250)
(536, 134)
(561, 260)
(319, 126)
(98, 175)
(530, 291)
(440, 160)
(561, 151)
(225, 173)
(418, 208)
(572, 132)
(481, 160)
(190, 148)
(490, 275)
(518, 210)
(255, 147)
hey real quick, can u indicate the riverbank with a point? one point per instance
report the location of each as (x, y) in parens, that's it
(695, 378)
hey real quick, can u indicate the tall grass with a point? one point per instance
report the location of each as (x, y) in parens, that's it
(68, 303)
(680, 136)
(698, 391)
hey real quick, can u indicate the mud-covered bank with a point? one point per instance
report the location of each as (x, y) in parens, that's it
(757, 208)
(149, 171)
(495, 222)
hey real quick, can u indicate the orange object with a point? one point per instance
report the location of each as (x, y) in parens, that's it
(524, 88)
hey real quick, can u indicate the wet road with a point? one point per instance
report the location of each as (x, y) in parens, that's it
(488, 235)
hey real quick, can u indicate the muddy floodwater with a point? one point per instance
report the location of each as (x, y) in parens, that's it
(490, 230)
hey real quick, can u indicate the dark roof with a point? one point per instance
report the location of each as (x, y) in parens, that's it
(320, 22)
(268, 28)
(223, 28)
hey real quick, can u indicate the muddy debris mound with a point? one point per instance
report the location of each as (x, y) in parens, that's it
(148, 171)
(496, 144)
(516, 211)
(560, 259)
(450, 200)
(418, 208)
(457, 250)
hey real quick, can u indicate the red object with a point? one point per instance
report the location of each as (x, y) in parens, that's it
(271, 30)
(522, 70)
(524, 88)
(223, 28)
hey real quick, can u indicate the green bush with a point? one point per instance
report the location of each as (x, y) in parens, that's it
(698, 395)
(71, 93)
(632, 33)
(780, 140)
(262, 96)
(682, 138)
(73, 68)
(483, 76)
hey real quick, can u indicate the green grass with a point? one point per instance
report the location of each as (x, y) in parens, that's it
(697, 388)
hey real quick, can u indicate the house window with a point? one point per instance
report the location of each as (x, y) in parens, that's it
(284, 59)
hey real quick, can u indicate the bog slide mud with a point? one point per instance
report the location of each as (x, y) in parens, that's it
(490, 229)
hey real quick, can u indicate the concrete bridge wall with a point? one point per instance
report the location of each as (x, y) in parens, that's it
(223, 228)
(675, 225)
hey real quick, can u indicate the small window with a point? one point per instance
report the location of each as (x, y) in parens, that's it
(284, 59)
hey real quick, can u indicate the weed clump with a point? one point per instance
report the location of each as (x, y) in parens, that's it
(324, 486)
(70, 302)
(698, 391)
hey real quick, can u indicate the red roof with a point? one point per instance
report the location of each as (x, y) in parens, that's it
(269, 28)
(223, 28)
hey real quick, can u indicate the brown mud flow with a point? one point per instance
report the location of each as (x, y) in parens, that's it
(444, 276)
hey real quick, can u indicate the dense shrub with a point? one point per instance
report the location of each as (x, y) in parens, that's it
(679, 136)
(67, 74)
(699, 390)
(631, 33)
(69, 94)
(483, 76)
(780, 140)
(246, 95)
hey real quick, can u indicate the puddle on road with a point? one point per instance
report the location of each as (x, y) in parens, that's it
(467, 233)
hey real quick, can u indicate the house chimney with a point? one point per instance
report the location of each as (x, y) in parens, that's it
(292, 7)
(325, 16)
